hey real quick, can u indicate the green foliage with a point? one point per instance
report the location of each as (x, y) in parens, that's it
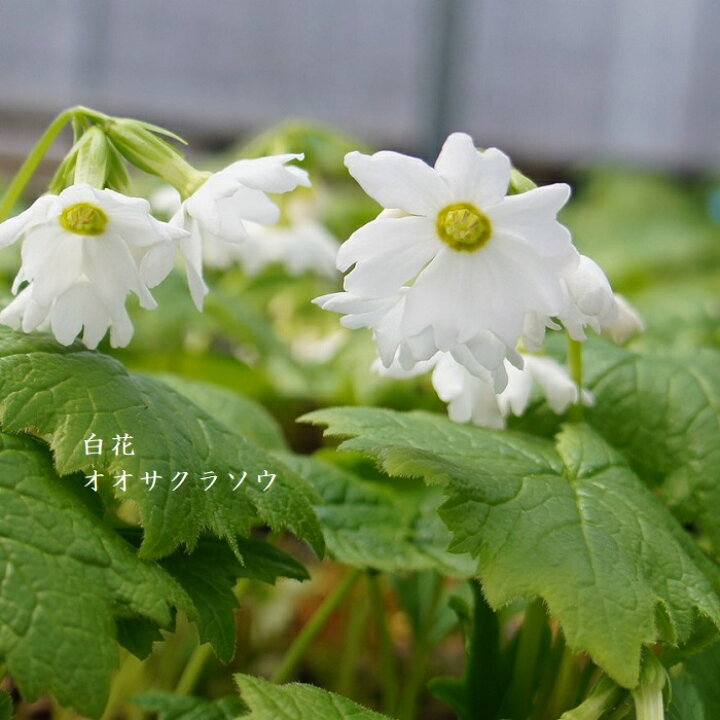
(662, 411)
(362, 519)
(297, 702)
(179, 707)
(209, 574)
(568, 522)
(5, 706)
(62, 395)
(67, 579)
(695, 687)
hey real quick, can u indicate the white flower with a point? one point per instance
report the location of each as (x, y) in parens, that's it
(628, 321)
(471, 399)
(83, 251)
(217, 211)
(302, 247)
(460, 264)
(588, 300)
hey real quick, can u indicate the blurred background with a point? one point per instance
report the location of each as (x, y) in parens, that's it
(552, 82)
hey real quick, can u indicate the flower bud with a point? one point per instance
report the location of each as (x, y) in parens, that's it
(139, 143)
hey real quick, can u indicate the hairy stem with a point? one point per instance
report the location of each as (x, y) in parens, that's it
(33, 160)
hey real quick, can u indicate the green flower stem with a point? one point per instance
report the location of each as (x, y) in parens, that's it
(407, 707)
(33, 160)
(565, 689)
(193, 670)
(526, 661)
(126, 682)
(576, 373)
(387, 667)
(483, 671)
(303, 641)
(202, 653)
(352, 648)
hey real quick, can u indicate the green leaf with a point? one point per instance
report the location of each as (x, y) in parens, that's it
(236, 412)
(361, 520)
(6, 706)
(297, 702)
(570, 523)
(209, 575)
(64, 394)
(663, 413)
(179, 707)
(66, 578)
(695, 687)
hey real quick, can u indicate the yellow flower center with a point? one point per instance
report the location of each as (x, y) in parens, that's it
(463, 227)
(84, 219)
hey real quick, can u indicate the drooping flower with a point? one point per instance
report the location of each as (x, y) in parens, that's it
(472, 399)
(83, 252)
(217, 212)
(458, 265)
(301, 247)
(588, 302)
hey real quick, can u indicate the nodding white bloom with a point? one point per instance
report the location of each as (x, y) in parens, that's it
(471, 399)
(459, 264)
(301, 247)
(83, 251)
(628, 321)
(588, 300)
(217, 211)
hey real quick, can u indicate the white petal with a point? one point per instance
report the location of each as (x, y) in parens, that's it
(54, 263)
(70, 311)
(480, 178)
(408, 245)
(268, 174)
(628, 322)
(191, 248)
(399, 181)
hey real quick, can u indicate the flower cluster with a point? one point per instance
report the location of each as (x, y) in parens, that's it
(83, 252)
(456, 274)
(85, 249)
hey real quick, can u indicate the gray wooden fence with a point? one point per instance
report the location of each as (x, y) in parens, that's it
(550, 80)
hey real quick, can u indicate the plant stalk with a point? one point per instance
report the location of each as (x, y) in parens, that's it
(33, 160)
(303, 641)
(387, 666)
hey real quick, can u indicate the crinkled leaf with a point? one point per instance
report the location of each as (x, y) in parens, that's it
(238, 413)
(363, 520)
(65, 394)
(570, 523)
(64, 579)
(179, 707)
(209, 575)
(297, 702)
(663, 413)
